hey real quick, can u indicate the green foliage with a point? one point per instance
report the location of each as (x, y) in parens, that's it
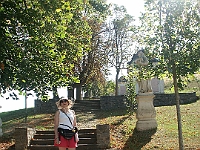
(119, 39)
(98, 89)
(191, 84)
(131, 94)
(109, 88)
(40, 42)
(91, 67)
(169, 32)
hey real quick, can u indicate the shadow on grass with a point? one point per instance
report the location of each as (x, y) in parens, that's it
(16, 114)
(139, 139)
(110, 113)
(16, 118)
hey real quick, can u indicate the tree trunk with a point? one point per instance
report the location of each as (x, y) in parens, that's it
(70, 92)
(55, 93)
(116, 82)
(26, 113)
(181, 146)
(78, 87)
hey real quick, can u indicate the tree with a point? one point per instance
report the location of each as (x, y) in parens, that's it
(170, 31)
(120, 40)
(89, 68)
(40, 43)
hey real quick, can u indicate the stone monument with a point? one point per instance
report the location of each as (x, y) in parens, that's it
(145, 113)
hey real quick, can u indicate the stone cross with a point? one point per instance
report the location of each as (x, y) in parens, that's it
(140, 59)
(145, 113)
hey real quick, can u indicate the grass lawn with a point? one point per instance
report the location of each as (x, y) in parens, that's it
(122, 125)
(165, 137)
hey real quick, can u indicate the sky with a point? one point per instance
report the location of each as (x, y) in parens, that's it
(133, 8)
(10, 104)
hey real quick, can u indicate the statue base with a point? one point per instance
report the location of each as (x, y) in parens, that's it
(145, 112)
(142, 125)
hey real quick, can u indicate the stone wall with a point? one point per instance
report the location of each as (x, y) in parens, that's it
(45, 107)
(117, 102)
(120, 102)
(113, 102)
(169, 99)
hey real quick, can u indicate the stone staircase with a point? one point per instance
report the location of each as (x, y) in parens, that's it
(86, 105)
(44, 140)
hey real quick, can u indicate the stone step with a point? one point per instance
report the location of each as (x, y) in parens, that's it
(51, 136)
(51, 147)
(87, 101)
(75, 107)
(86, 105)
(52, 131)
(44, 140)
(87, 140)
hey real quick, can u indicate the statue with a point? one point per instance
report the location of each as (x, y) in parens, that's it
(145, 113)
(141, 60)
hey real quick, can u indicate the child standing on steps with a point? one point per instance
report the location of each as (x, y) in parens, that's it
(65, 119)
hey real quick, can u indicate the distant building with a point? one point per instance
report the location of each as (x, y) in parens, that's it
(122, 85)
(157, 85)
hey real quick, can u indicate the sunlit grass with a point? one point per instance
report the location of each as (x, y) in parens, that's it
(37, 121)
(123, 135)
(122, 127)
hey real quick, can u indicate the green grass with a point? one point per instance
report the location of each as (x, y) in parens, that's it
(165, 137)
(16, 118)
(122, 125)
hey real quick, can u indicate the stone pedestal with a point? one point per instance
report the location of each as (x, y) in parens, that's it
(146, 112)
(1, 132)
(103, 136)
(23, 136)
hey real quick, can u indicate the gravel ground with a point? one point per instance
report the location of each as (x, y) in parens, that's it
(87, 119)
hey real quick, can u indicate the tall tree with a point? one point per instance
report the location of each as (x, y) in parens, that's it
(89, 68)
(120, 39)
(170, 31)
(40, 41)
